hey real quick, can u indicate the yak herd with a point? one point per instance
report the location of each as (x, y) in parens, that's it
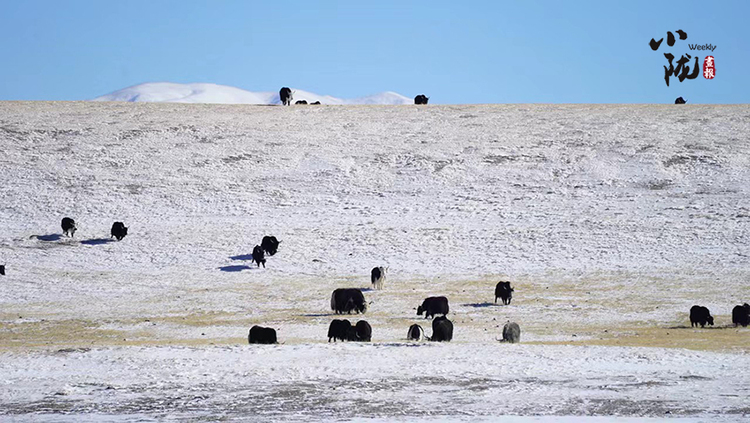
(118, 231)
(286, 96)
(349, 300)
(352, 300)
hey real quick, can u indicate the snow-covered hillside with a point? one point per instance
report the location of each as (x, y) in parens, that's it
(610, 221)
(168, 92)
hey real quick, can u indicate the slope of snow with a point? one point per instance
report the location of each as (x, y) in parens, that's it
(611, 222)
(168, 92)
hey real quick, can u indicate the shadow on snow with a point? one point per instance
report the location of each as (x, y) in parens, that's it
(49, 237)
(481, 305)
(97, 241)
(234, 268)
(242, 257)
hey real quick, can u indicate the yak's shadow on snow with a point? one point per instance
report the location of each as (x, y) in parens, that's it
(48, 238)
(96, 241)
(481, 305)
(242, 257)
(235, 268)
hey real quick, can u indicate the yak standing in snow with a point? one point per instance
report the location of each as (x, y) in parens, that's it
(421, 99)
(270, 245)
(432, 306)
(363, 331)
(442, 329)
(341, 329)
(259, 256)
(69, 227)
(377, 277)
(261, 335)
(346, 300)
(118, 230)
(511, 333)
(700, 316)
(285, 95)
(504, 292)
(680, 100)
(416, 333)
(741, 315)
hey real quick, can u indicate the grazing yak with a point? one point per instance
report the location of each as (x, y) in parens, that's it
(342, 330)
(442, 329)
(700, 316)
(285, 95)
(363, 331)
(270, 245)
(377, 277)
(511, 333)
(416, 333)
(421, 99)
(680, 100)
(118, 230)
(741, 315)
(69, 226)
(315, 102)
(504, 292)
(258, 256)
(261, 335)
(301, 102)
(432, 306)
(346, 300)
(2, 269)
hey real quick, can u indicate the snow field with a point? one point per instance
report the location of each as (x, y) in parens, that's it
(610, 221)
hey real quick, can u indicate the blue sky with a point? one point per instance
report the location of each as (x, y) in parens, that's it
(455, 52)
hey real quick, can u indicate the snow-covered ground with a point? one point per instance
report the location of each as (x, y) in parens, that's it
(170, 92)
(611, 221)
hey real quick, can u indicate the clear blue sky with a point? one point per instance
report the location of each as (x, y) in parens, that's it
(455, 52)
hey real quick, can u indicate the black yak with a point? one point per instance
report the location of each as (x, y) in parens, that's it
(700, 316)
(261, 335)
(285, 95)
(421, 99)
(258, 256)
(346, 300)
(432, 306)
(442, 329)
(118, 230)
(341, 329)
(504, 292)
(69, 226)
(741, 315)
(270, 245)
(363, 331)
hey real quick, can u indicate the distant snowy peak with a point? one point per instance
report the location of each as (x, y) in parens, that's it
(167, 92)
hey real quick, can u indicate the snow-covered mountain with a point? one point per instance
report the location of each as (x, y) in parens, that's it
(168, 92)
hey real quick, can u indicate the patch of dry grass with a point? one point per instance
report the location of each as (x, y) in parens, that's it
(612, 309)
